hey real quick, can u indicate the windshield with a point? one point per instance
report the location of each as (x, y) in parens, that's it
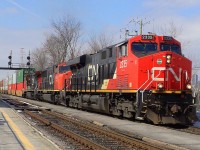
(63, 69)
(171, 47)
(141, 49)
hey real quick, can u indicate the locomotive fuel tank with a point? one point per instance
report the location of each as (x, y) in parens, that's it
(96, 103)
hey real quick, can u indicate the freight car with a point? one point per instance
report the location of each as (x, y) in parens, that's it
(16, 83)
(145, 77)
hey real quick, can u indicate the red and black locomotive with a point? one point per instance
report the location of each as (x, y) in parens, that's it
(145, 77)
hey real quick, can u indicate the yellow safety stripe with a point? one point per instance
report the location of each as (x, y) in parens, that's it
(114, 91)
(25, 142)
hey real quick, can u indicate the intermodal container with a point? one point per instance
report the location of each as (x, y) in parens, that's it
(20, 88)
(14, 77)
(5, 86)
(20, 76)
(10, 84)
(14, 83)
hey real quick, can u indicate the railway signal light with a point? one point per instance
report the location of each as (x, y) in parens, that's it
(28, 63)
(10, 60)
(29, 60)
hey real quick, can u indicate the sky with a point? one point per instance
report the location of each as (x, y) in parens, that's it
(24, 23)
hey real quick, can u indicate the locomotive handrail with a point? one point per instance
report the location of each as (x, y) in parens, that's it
(137, 99)
(142, 86)
(151, 81)
(149, 84)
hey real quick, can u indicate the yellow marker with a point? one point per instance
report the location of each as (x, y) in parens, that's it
(25, 142)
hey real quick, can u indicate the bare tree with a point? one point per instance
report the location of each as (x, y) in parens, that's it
(39, 59)
(60, 45)
(67, 33)
(171, 29)
(175, 31)
(98, 42)
(53, 49)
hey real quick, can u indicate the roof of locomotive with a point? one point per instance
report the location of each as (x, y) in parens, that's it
(137, 37)
(114, 45)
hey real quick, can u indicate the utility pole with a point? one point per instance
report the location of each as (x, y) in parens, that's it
(141, 22)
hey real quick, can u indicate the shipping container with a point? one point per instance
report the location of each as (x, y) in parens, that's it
(10, 79)
(19, 89)
(10, 84)
(20, 76)
(5, 86)
(14, 83)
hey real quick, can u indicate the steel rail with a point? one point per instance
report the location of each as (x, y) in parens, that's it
(131, 142)
(80, 139)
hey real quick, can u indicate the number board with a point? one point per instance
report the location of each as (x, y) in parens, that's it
(167, 38)
(147, 37)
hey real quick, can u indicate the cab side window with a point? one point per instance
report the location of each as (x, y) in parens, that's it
(122, 50)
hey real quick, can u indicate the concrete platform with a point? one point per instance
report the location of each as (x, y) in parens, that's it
(166, 137)
(16, 134)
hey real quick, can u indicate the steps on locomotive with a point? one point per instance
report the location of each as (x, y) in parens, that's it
(142, 111)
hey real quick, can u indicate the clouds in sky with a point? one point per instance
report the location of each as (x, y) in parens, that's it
(17, 5)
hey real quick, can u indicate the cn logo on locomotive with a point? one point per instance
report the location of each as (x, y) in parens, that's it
(156, 77)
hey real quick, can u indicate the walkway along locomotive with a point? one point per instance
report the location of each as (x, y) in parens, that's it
(145, 77)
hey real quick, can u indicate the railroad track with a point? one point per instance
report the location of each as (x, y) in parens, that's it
(19, 105)
(88, 135)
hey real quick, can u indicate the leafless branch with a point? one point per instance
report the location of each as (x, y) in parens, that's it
(39, 59)
(98, 42)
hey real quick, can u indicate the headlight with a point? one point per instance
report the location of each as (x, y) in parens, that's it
(160, 85)
(168, 58)
(168, 61)
(189, 86)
